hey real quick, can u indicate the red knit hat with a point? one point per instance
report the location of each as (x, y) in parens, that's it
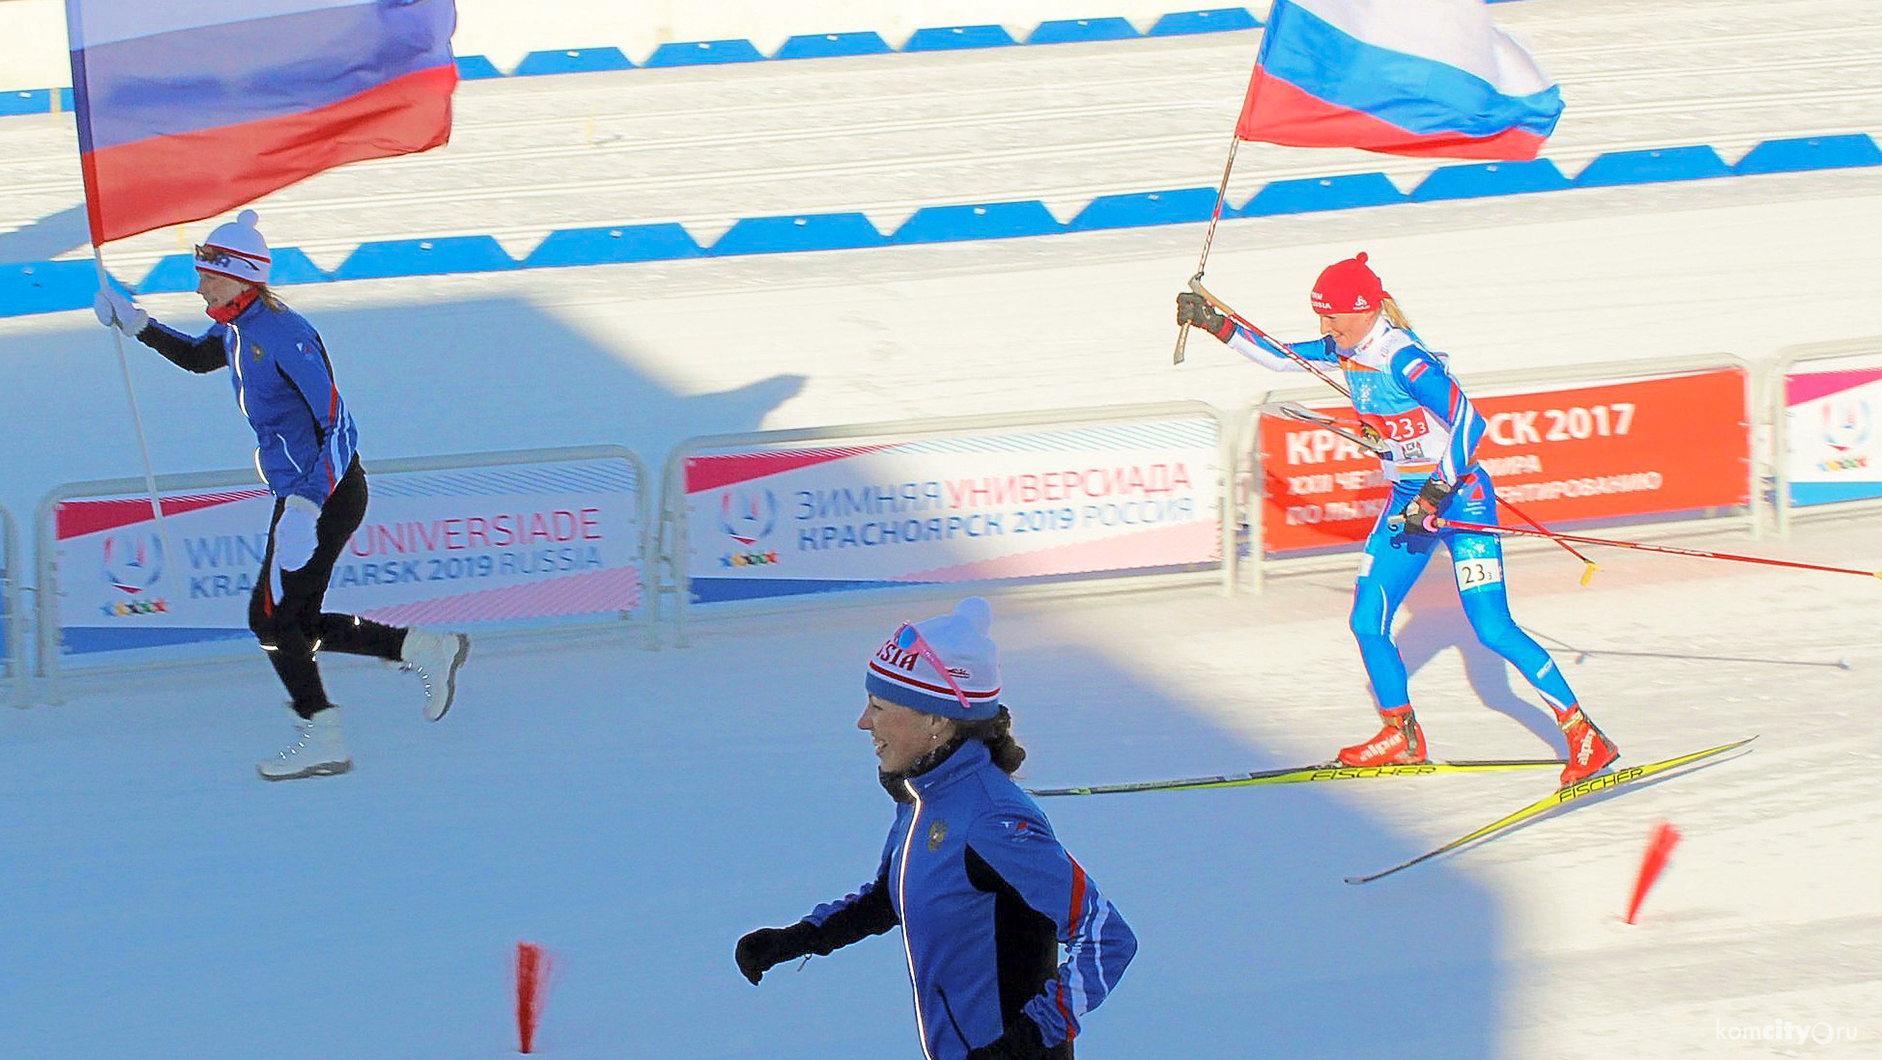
(1348, 286)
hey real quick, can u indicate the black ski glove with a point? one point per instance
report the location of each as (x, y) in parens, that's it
(1194, 309)
(1420, 510)
(1021, 1041)
(760, 950)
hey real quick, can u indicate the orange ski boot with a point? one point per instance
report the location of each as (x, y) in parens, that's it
(1401, 742)
(1589, 749)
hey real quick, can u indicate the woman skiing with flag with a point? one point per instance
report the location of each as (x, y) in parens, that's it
(1427, 433)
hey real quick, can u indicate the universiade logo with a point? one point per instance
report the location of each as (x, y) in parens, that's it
(1821, 1032)
(1848, 424)
(748, 516)
(131, 564)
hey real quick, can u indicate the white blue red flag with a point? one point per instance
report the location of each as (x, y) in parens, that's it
(1407, 77)
(188, 108)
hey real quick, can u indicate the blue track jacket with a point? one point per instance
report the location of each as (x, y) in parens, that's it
(304, 437)
(985, 896)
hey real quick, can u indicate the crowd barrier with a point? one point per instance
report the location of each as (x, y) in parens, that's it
(53, 286)
(1825, 409)
(1155, 491)
(485, 541)
(12, 640)
(1027, 497)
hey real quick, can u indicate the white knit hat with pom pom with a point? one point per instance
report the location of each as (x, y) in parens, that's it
(901, 672)
(236, 250)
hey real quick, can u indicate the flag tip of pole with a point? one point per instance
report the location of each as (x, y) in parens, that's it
(1588, 572)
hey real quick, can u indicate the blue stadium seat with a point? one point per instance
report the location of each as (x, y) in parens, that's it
(1146, 208)
(26, 101)
(1076, 30)
(1810, 152)
(1322, 193)
(1490, 178)
(424, 257)
(1214, 20)
(607, 246)
(1649, 167)
(948, 38)
(704, 53)
(992, 220)
(572, 61)
(476, 68)
(771, 235)
(46, 286)
(825, 45)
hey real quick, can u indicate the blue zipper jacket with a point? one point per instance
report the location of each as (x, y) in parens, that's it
(304, 437)
(986, 897)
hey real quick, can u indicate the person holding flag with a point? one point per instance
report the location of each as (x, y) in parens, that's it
(306, 452)
(1427, 433)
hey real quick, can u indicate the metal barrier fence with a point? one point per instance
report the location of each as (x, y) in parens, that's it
(1634, 441)
(12, 639)
(1022, 498)
(1826, 426)
(488, 541)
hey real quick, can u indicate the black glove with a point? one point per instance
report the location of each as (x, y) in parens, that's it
(1021, 1041)
(1192, 308)
(1420, 510)
(760, 950)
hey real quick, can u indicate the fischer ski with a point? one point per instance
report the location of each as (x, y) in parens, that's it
(1593, 785)
(1306, 774)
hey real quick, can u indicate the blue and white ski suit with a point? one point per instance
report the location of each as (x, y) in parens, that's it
(1406, 394)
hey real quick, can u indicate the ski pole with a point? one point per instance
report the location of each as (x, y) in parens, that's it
(1589, 567)
(1452, 524)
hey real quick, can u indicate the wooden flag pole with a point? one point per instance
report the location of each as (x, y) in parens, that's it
(1221, 192)
(137, 419)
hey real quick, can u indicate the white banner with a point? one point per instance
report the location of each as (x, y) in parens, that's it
(1131, 497)
(1833, 432)
(458, 547)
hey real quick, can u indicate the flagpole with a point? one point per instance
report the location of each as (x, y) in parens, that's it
(1215, 216)
(137, 419)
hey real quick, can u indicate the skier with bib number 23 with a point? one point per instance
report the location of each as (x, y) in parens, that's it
(1405, 395)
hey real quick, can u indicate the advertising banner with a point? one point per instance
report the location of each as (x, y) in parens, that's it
(1832, 445)
(458, 547)
(1652, 446)
(1025, 503)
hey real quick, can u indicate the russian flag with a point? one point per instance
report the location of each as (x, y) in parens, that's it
(188, 108)
(1407, 77)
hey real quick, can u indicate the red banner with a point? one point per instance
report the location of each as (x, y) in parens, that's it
(1641, 447)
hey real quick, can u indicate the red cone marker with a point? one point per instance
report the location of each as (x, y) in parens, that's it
(1658, 848)
(532, 978)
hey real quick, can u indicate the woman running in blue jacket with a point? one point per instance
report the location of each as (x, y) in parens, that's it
(1411, 406)
(305, 451)
(985, 895)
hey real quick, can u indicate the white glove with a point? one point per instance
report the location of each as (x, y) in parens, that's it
(115, 307)
(294, 536)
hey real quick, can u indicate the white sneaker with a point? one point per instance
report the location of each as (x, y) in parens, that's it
(318, 750)
(437, 658)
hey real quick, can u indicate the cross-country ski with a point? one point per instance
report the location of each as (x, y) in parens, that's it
(1600, 783)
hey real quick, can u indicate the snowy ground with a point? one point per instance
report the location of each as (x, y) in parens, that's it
(636, 811)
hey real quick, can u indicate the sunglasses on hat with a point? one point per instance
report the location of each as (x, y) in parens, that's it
(908, 638)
